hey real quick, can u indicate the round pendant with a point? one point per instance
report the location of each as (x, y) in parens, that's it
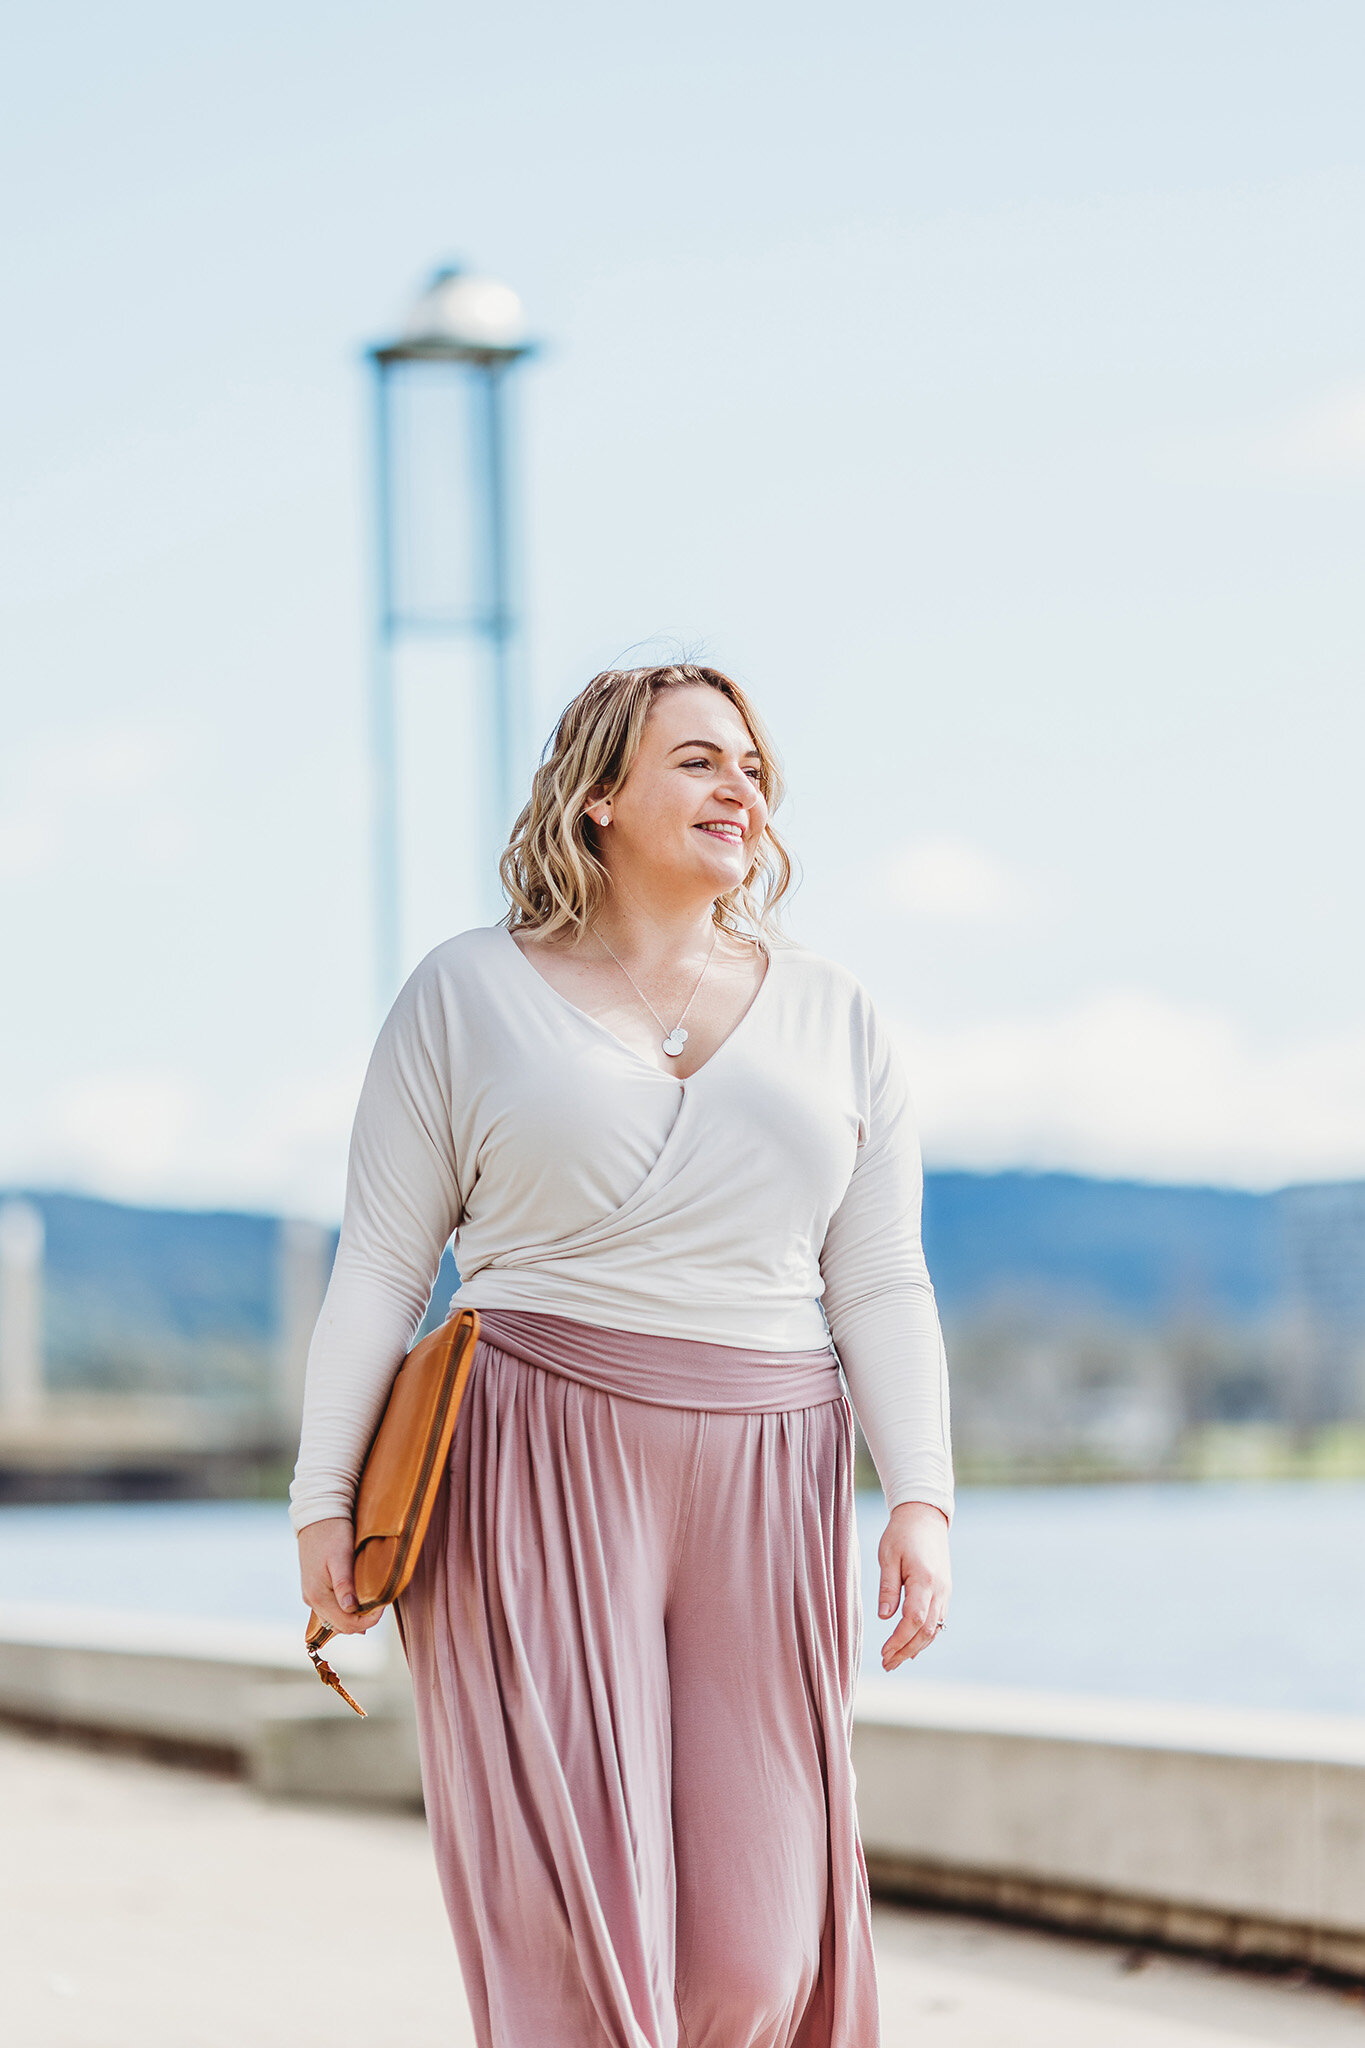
(675, 1041)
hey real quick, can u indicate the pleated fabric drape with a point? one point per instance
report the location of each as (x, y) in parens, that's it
(633, 1634)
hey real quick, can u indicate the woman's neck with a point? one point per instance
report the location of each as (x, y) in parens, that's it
(655, 934)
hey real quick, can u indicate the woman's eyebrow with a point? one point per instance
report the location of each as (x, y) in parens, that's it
(711, 747)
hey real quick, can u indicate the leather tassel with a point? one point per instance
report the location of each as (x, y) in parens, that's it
(329, 1677)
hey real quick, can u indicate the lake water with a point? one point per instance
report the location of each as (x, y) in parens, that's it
(1238, 1594)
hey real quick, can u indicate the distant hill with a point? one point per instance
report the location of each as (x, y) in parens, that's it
(161, 1297)
(126, 1284)
(1140, 1251)
(184, 1270)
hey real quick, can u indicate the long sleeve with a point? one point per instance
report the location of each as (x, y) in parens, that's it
(879, 1300)
(402, 1204)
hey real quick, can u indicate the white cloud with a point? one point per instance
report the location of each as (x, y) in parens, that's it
(1127, 1083)
(1123, 1084)
(1325, 440)
(161, 1137)
(61, 788)
(134, 1128)
(951, 881)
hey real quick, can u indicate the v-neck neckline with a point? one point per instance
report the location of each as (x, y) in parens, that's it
(595, 1023)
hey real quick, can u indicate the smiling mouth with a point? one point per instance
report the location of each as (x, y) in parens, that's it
(733, 835)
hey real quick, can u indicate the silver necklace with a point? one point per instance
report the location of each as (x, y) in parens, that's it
(676, 1039)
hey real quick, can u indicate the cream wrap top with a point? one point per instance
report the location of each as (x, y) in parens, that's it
(771, 1200)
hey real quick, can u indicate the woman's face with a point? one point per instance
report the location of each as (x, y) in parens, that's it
(690, 814)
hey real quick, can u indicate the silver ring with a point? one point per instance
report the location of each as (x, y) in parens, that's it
(941, 1625)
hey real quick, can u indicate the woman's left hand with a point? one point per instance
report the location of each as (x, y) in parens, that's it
(913, 1555)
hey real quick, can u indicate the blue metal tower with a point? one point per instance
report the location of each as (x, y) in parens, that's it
(475, 328)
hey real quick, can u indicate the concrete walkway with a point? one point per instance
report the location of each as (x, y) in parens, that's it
(146, 1907)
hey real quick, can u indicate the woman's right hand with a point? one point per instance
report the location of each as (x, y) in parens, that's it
(327, 1570)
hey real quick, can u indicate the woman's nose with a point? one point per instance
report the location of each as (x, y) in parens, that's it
(738, 787)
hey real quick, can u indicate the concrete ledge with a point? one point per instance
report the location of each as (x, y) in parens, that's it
(226, 1695)
(221, 1759)
(180, 1636)
(307, 1744)
(1237, 1833)
(1094, 1717)
(1241, 1833)
(1117, 1915)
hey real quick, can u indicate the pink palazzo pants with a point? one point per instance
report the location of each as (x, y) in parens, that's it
(633, 1634)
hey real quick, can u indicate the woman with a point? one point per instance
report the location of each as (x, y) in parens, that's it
(678, 1160)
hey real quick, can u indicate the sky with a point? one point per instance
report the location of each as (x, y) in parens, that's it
(984, 387)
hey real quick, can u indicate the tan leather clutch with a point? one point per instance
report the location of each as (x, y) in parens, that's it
(402, 1473)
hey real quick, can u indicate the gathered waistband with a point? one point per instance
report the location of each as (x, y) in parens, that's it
(670, 1372)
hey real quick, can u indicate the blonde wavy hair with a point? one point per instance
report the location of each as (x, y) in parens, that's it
(551, 867)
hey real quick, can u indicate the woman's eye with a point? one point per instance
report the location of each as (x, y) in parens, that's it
(754, 774)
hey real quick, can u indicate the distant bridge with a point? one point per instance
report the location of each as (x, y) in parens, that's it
(97, 1446)
(68, 1443)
